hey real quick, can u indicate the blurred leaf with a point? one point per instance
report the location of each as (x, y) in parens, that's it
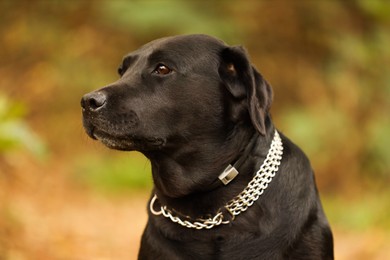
(114, 174)
(361, 213)
(378, 147)
(312, 129)
(170, 16)
(10, 110)
(14, 132)
(379, 9)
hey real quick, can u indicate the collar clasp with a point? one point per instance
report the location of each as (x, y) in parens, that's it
(228, 174)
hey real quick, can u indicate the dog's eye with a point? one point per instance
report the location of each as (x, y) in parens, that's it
(161, 69)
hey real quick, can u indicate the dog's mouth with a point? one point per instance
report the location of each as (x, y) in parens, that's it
(126, 142)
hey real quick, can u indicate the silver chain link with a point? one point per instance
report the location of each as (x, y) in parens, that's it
(242, 201)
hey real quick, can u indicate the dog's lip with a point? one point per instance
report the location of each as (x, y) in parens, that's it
(90, 130)
(101, 135)
(127, 142)
(93, 135)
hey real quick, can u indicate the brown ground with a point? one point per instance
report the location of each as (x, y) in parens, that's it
(45, 219)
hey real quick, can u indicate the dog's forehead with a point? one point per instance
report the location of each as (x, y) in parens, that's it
(186, 42)
(183, 45)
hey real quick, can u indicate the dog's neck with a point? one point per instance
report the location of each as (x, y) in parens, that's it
(236, 205)
(190, 173)
(232, 170)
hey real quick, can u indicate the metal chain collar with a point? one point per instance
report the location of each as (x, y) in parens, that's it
(242, 201)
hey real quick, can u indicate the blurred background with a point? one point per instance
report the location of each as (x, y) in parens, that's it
(64, 196)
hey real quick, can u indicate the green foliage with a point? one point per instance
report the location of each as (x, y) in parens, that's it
(14, 131)
(361, 85)
(170, 16)
(319, 132)
(377, 8)
(114, 174)
(361, 213)
(377, 160)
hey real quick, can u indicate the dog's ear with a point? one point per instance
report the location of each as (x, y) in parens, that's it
(244, 81)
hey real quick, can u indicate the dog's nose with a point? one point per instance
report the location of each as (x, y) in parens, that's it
(93, 101)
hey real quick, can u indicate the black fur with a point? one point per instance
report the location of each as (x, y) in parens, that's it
(192, 118)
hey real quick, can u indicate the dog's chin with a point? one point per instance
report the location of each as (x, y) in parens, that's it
(129, 142)
(113, 143)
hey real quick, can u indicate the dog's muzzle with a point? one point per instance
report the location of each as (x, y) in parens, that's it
(115, 128)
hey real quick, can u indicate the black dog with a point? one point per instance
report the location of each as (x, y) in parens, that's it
(199, 111)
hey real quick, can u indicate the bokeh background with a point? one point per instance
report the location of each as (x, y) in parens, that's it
(64, 196)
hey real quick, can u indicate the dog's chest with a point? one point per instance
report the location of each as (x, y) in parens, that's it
(207, 244)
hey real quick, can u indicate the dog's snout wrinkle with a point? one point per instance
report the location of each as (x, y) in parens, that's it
(93, 101)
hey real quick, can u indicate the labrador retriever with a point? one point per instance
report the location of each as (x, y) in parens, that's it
(227, 184)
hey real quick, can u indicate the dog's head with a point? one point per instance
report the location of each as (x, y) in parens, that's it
(178, 89)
